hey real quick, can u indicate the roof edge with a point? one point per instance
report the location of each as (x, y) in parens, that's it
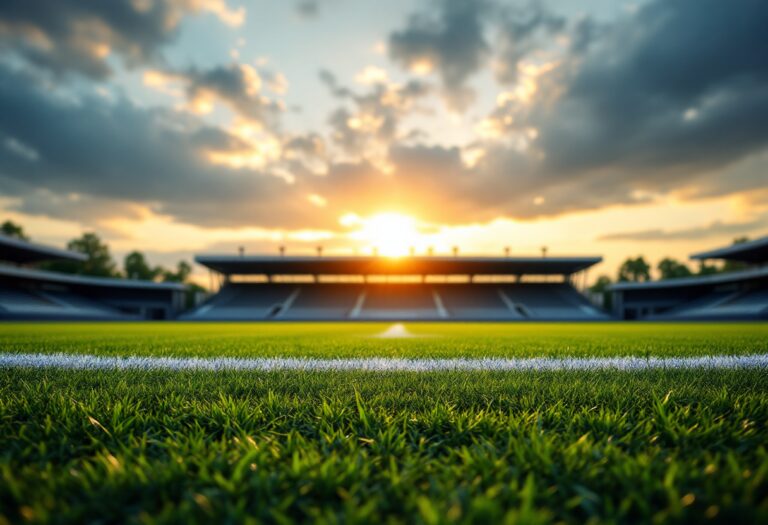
(703, 280)
(43, 275)
(45, 250)
(719, 253)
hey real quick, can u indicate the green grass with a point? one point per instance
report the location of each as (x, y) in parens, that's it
(354, 339)
(360, 447)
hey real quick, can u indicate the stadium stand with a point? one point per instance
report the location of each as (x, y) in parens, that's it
(477, 302)
(367, 288)
(735, 295)
(27, 293)
(324, 301)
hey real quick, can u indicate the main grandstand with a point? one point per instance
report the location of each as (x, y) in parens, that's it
(736, 295)
(27, 292)
(407, 288)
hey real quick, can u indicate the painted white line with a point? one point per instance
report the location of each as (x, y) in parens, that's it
(396, 331)
(380, 364)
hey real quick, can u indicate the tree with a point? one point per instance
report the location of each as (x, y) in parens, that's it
(636, 270)
(671, 269)
(707, 269)
(183, 269)
(99, 261)
(11, 229)
(601, 284)
(191, 294)
(735, 266)
(137, 267)
(600, 287)
(181, 275)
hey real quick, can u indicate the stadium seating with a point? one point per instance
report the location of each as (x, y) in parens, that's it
(551, 301)
(20, 303)
(477, 302)
(390, 301)
(398, 301)
(748, 304)
(245, 301)
(323, 301)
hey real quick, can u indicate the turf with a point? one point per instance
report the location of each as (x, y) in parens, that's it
(442, 340)
(361, 447)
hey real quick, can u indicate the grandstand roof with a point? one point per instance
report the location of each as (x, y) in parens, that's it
(370, 265)
(63, 278)
(23, 252)
(750, 252)
(705, 280)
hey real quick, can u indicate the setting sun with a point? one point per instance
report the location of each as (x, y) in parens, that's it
(391, 234)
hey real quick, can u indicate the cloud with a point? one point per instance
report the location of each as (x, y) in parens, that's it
(239, 86)
(523, 30)
(713, 230)
(450, 40)
(372, 121)
(667, 89)
(94, 149)
(662, 101)
(66, 36)
(308, 8)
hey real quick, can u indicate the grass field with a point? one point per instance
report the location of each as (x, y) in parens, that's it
(159, 446)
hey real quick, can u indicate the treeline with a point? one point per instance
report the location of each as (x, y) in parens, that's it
(637, 269)
(99, 262)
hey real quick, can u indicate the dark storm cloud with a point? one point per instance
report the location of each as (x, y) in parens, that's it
(522, 29)
(66, 36)
(121, 152)
(671, 99)
(451, 38)
(682, 85)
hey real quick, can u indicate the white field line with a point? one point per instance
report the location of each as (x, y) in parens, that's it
(380, 364)
(396, 331)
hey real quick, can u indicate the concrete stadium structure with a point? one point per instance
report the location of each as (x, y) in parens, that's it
(30, 293)
(736, 295)
(407, 288)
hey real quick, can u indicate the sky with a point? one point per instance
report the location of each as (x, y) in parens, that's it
(178, 127)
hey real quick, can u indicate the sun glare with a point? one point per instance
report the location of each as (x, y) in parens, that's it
(390, 234)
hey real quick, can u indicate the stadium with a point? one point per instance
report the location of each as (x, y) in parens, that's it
(30, 293)
(361, 262)
(372, 288)
(736, 295)
(408, 288)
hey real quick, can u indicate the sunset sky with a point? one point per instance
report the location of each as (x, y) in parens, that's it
(186, 126)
